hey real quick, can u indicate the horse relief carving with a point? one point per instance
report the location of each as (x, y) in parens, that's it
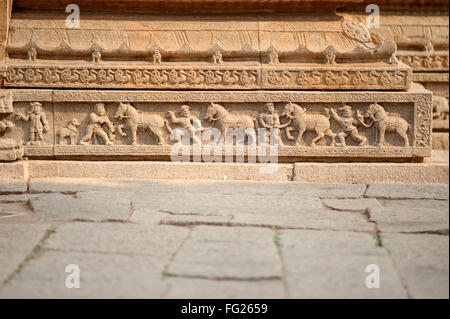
(222, 119)
(303, 121)
(140, 121)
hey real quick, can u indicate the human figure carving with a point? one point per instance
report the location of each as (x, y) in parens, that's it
(217, 57)
(184, 120)
(349, 126)
(32, 54)
(69, 132)
(273, 56)
(157, 57)
(97, 120)
(5, 126)
(303, 121)
(440, 108)
(38, 123)
(96, 56)
(270, 119)
(330, 56)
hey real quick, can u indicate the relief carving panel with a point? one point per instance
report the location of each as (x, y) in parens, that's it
(141, 125)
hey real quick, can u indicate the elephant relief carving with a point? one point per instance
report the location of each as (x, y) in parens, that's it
(384, 123)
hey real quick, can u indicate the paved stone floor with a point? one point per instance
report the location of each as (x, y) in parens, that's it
(206, 239)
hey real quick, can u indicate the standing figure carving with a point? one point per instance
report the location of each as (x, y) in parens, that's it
(38, 123)
(270, 119)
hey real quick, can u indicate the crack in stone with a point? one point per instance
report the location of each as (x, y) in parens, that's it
(442, 232)
(269, 278)
(283, 267)
(187, 214)
(380, 244)
(272, 227)
(35, 253)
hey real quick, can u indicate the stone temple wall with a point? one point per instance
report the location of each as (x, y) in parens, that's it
(118, 86)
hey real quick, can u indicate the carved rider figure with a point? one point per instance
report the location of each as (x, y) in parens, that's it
(269, 119)
(97, 119)
(38, 123)
(348, 125)
(185, 121)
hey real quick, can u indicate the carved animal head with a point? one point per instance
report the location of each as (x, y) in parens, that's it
(210, 112)
(214, 110)
(373, 109)
(385, 48)
(291, 110)
(74, 122)
(121, 110)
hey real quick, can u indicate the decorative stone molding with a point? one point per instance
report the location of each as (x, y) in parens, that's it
(209, 78)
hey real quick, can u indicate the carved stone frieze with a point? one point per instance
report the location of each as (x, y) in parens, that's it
(137, 124)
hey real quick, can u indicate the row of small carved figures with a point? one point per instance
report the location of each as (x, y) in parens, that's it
(292, 117)
(215, 56)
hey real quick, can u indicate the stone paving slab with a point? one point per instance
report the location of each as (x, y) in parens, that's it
(212, 204)
(410, 191)
(159, 242)
(197, 187)
(227, 253)
(13, 186)
(237, 255)
(324, 264)
(94, 206)
(404, 216)
(101, 276)
(423, 262)
(17, 241)
(225, 289)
